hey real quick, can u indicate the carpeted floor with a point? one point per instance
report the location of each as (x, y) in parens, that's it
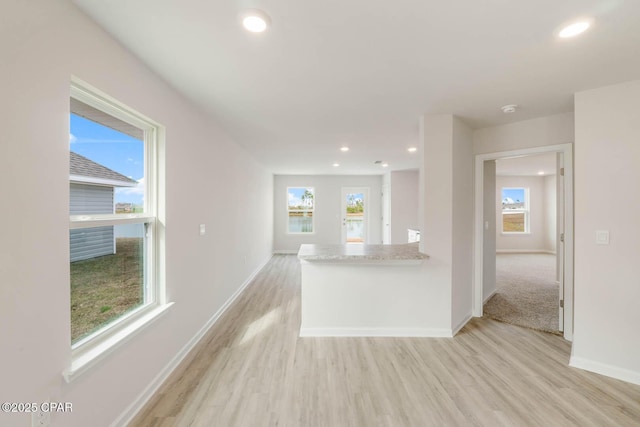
(527, 294)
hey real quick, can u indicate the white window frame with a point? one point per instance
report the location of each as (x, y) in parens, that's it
(526, 211)
(88, 350)
(312, 210)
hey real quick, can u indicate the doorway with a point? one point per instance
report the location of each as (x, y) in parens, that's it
(487, 219)
(526, 291)
(355, 215)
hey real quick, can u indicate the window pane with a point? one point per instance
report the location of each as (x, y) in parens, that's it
(108, 161)
(300, 198)
(513, 198)
(513, 222)
(107, 275)
(300, 222)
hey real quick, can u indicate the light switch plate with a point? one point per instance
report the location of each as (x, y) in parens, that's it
(602, 237)
(203, 229)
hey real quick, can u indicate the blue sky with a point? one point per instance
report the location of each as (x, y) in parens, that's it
(356, 197)
(295, 196)
(515, 194)
(115, 150)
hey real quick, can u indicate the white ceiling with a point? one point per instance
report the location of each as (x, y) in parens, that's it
(360, 73)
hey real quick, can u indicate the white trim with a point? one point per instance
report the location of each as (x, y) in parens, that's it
(525, 251)
(300, 233)
(79, 179)
(461, 325)
(285, 252)
(365, 261)
(627, 375)
(377, 332)
(105, 347)
(93, 97)
(138, 403)
(567, 150)
(90, 221)
(495, 291)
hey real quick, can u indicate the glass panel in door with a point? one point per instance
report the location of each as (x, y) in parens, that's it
(354, 217)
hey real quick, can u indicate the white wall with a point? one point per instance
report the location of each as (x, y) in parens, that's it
(404, 204)
(327, 210)
(463, 208)
(536, 240)
(543, 131)
(446, 210)
(209, 179)
(607, 176)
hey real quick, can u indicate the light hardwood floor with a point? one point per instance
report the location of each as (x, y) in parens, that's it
(252, 369)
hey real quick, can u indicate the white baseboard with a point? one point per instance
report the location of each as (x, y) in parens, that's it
(605, 369)
(377, 332)
(524, 251)
(495, 291)
(285, 252)
(461, 325)
(132, 410)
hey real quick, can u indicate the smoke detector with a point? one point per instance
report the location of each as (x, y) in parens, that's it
(507, 109)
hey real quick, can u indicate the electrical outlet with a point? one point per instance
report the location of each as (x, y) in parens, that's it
(40, 418)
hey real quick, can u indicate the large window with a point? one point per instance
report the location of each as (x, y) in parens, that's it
(300, 206)
(113, 207)
(515, 210)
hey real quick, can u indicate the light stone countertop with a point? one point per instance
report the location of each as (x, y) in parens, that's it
(357, 253)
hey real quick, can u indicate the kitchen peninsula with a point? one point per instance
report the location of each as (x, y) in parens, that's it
(369, 290)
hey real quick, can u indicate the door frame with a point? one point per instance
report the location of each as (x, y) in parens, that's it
(560, 226)
(567, 151)
(343, 211)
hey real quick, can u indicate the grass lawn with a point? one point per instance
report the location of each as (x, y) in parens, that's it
(513, 222)
(106, 287)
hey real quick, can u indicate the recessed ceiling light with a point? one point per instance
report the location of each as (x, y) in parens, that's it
(541, 173)
(255, 20)
(335, 165)
(385, 165)
(574, 29)
(412, 149)
(345, 149)
(508, 109)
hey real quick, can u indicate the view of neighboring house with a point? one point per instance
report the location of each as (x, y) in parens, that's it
(92, 190)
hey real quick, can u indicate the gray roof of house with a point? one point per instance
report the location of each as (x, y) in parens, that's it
(81, 166)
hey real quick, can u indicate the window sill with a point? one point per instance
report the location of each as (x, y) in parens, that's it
(86, 360)
(516, 233)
